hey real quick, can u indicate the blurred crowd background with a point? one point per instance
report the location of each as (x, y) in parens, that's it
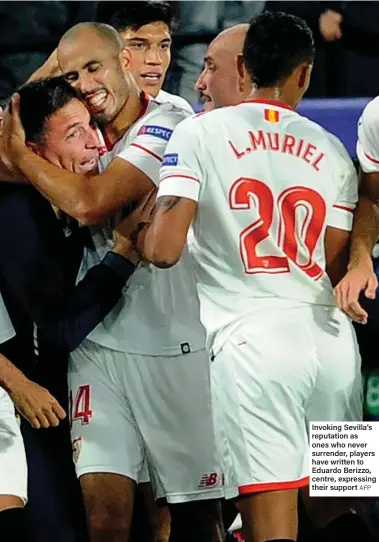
(346, 35)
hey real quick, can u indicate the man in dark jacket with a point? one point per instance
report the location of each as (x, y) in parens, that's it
(40, 259)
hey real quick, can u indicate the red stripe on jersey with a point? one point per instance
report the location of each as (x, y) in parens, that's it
(343, 208)
(181, 177)
(273, 486)
(371, 158)
(147, 150)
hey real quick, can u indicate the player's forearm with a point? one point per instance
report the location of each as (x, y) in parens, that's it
(165, 239)
(7, 174)
(336, 265)
(365, 232)
(70, 192)
(157, 248)
(9, 374)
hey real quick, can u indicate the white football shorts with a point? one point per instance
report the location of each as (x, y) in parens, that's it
(13, 467)
(126, 407)
(274, 374)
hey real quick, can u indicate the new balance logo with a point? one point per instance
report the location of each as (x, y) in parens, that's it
(209, 479)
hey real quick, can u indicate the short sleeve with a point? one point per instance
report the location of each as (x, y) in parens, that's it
(368, 138)
(181, 172)
(342, 212)
(6, 328)
(147, 149)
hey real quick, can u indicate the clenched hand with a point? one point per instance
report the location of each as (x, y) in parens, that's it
(36, 404)
(357, 279)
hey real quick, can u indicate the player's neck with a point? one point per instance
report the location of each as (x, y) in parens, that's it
(134, 108)
(271, 94)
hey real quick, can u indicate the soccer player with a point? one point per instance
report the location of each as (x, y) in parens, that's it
(270, 196)
(223, 80)
(146, 30)
(153, 344)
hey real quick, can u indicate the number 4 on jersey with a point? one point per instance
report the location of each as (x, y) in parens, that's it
(81, 405)
(296, 237)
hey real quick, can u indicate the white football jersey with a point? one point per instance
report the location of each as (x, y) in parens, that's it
(159, 313)
(268, 182)
(368, 137)
(6, 327)
(165, 97)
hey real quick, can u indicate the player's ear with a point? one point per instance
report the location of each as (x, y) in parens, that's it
(304, 76)
(35, 147)
(240, 66)
(241, 73)
(125, 58)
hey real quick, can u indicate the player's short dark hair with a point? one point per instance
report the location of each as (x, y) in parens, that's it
(137, 14)
(40, 100)
(276, 43)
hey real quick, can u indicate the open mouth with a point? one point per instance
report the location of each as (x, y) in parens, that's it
(97, 99)
(152, 78)
(204, 98)
(89, 165)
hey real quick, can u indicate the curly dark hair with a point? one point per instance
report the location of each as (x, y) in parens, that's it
(276, 43)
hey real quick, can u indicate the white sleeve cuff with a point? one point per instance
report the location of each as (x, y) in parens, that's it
(368, 163)
(341, 217)
(182, 186)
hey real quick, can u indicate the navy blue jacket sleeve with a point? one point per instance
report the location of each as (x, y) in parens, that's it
(38, 271)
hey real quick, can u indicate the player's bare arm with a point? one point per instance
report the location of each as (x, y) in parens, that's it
(141, 217)
(32, 401)
(123, 229)
(8, 173)
(163, 242)
(89, 199)
(360, 274)
(337, 244)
